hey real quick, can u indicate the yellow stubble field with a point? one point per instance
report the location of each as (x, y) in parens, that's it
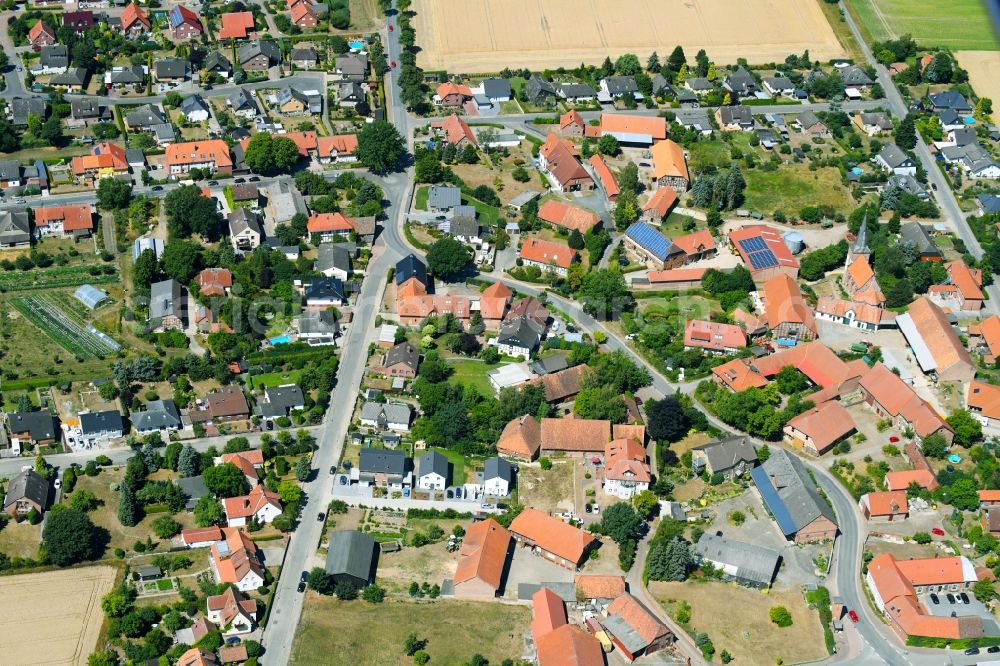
(984, 72)
(478, 36)
(52, 618)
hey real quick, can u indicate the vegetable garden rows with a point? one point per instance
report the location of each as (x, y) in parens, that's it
(53, 278)
(68, 333)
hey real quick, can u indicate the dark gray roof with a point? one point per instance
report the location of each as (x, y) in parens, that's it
(538, 89)
(15, 226)
(192, 104)
(352, 553)
(216, 62)
(409, 266)
(393, 412)
(354, 65)
(753, 563)
(464, 226)
(146, 115)
(165, 299)
(498, 468)
(877, 118)
(915, 234)
(698, 83)
(779, 82)
(304, 53)
(441, 197)
(325, 289)
(40, 425)
(619, 85)
(243, 99)
(74, 76)
(158, 414)
(550, 364)
(244, 218)
(22, 107)
(332, 255)
(56, 55)
(950, 99)
(106, 421)
(965, 136)
(496, 88)
(519, 332)
(725, 454)
(318, 323)
(288, 397)
(27, 485)
(85, 108)
(127, 75)
(736, 114)
(383, 461)
(171, 68)
(741, 81)
(404, 352)
(251, 50)
(432, 462)
(194, 489)
(893, 155)
(576, 90)
(789, 493)
(989, 202)
(808, 119)
(855, 76)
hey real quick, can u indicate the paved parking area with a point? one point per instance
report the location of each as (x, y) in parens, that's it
(974, 607)
(527, 567)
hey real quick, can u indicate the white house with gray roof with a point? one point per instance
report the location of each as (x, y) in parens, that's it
(731, 457)
(441, 199)
(160, 416)
(394, 416)
(432, 471)
(498, 477)
(892, 159)
(745, 563)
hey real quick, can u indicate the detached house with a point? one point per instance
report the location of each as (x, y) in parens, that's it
(212, 154)
(184, 23)
(37, 428)
(518, 337)
(402, 360)
(98, 426)
(384, 468)
(233, 610)
(433, 471)
(26, 491)
(258, 55)
(547, 255)
(246, 231)
(160, 416)
(41, 35)
(261, 505)
(236, 559)
(741, 83)
(731, 457)
(734, 118)
(167, 308)
(394, 416)
(451, 94)
(75, 221)
(236, 25)
(135, 21)
(625, 469)
(893, 159)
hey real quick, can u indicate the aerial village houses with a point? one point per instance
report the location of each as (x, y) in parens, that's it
(558, 159)
(552, 538)
(792, 499)
(482, 560)
(934, 342)
(669, 166)
(548, 255)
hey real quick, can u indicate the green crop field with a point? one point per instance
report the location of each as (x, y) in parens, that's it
(64, 329)
(790, 188)
(58, 277)
(961, 24)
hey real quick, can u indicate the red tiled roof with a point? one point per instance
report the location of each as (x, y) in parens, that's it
(984, 399)
(597, 586)
(695, 243)
(568, 645)
(451, 88)
(103, 156)
(824, 424)
(668, 161)
(654, 126)
(328, 222)
(201, 535)
(73, 218)
(901, 480)
(214, 281)
(713, 336)
(236, 25)
(196, 152)
(662, 201)
(641, 620)
(783, 303)
(676, 275)
(248, 505)
(898, 398)
(605, 175)
(770, 237)
(738, 375)
(989, 328)
(494, 300)
(969, 281)
(886, 503)
(547, 252)
(521, 437)
(39, 29)
(132, 14)
(344, 144)
(562, 384)
(575, 434)
(551, 534)
(548, 611)
(571, 117)
(569, 217)
(455, 129)
(483, 553)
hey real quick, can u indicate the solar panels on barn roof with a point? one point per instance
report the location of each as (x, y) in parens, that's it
(758, 253)
(650, 239)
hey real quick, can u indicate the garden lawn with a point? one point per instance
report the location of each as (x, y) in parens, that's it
(457, 461)
(454, 631)
(675, 223)
(20, 539)
(736, 619)
(272, 379)
(488, 215)
(962, 24)
(791, 188)
(709, 153)
(420, 201)
(472, 372)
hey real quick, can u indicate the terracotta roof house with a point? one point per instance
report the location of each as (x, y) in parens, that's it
(897, 587)
(212, 154)
(236, 25)
(989, 331)
(337, 149)
(197, 656)
(575, 434)
(134, 21)
(572, 123)
(817, 362)
(482, 560)
(966, 284)
(935, 343)
(558, 158)
(235, 559)
(202, 537)
(659, 205)
(562, 384)
(885, 506)
(901, 480)
(552, 538)
(521, 438)
(249, 462)
(738, 375)
(226, 404)
(764, 252)
(983, 402)
(607, 178)
(818, 429)
(860, 283)
(788, 315)
(302, 14)
(261, 504)
(214, 281)
(106, 160)
(989, 498)
(233, 610)
(456, 131)
(41, 35)
(669, 166)
(547, 255)
(625, 469)
(493, 304)
(891, 397)
(556, 642)
(73, 221)
(634, 629)
(792, 499)
(452, 94)
(599, 586)
(629, 129)
(714, 337)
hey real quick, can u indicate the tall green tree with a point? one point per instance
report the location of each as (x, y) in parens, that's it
(225, 480)
(676, 59)
(113, 194)
(380, 147)
(68, 536)
(189, 462)
(447, 258)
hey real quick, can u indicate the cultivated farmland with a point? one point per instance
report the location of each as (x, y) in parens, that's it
(984, 72)
(488, 35)
(69, 332)
(52, 618)
(56, 277)
(961, 24)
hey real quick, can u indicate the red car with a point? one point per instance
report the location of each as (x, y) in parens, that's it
(390, 27)
(937, 531)
(393, 64)
(854, 616)
(894, 439)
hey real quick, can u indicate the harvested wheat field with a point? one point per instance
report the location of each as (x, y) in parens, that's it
(53, 617)
(984, 72)
(488, 35)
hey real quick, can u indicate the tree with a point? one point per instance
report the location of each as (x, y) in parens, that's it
(703, 63)
(373, 594)
(447, 258)
(780, 616)
(188, 212)
(420, 657)
(208, 511)
(653, 63)
(189, 462)
(165, 527)
(922, 537)
(627, 209)
(380, 147)
(906, 132)
(103, 658)
(575, 240)
(68, 537)
(667, 421)
(345, 591)
(182, 260)
(646, 504)
(289, 492)
(670, 560)
(412, 643)
(52, 130)
(967, 429)
(791, 380)
(129, 511)
(983, 589)
(964, 495)
(84, 500)
(627, 65)
(269, 154)
(225, 480)
(940, 69)
(933, 446)
(113, 194)
(620, 521)
(676, 59)
(320, 582)
(303, 469)
(608, 145)
(605, 294)
(146, 268)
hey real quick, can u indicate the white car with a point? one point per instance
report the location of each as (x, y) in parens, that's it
(58, 484)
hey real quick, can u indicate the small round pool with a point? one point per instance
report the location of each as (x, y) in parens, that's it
(356, 45)
(857, 171)
(954, 458)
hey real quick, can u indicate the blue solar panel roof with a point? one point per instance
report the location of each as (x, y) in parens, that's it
(758, 253)
(649, 239)
(774, 503)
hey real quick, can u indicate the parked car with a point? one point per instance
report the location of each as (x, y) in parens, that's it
(937, 531)
(964, 597)
(894, 439)
(58, 484)
(19, 201)
(302, 586)
(343, 480)
(233, 640)
(254, 179)
(993, 649)
(304, 576)
(854, 616)
(157, 188)
(951, 598)
(934, 599)
(972, 650)
(393, 64)
(213, 182)
(240, 180)
(333, 469)
(596, 508)
(934, 186)
(320, 517)
(390, 27)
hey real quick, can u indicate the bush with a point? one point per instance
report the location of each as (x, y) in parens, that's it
(922, 537)
(545, 463)
(780, 616)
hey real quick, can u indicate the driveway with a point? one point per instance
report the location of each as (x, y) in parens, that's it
(360, 496)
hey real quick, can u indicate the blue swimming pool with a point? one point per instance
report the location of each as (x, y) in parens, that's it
(968, 120)
(857, 171)
(954, 458)
(281, 340)
(357, 45)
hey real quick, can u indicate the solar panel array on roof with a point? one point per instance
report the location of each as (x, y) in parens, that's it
(758, 253)
(649, 239)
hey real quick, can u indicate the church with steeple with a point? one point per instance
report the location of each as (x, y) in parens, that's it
(859, 278)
